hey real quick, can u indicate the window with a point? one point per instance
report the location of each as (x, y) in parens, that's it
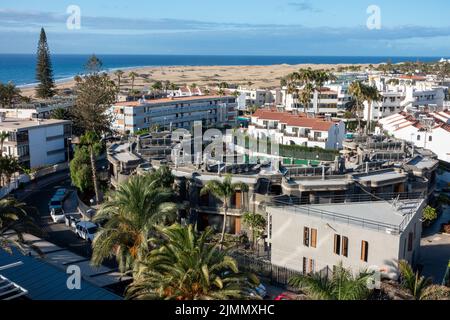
(430, 138)
(418, 137)
(306, 236)
(410, 242)
(309, 266)
(310, 237)
(364, 251)
(345, 247)
(314, 238)
(337, 244)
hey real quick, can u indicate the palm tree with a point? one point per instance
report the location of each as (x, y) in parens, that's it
(60, 114)
(411, 281)
(371, 95)
(9, 165)
(256, 223)
(8, 94)
(131, 214)
(173, 86)
(3, 136)
(357, 92)
(91, 140)
(15, 217)
(133, 75)
(342, 285)
(223, 190)
(305, 96)
(163, 177)
(188, 266)
(118, 74)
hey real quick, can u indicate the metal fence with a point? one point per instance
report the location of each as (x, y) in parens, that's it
(263, 268)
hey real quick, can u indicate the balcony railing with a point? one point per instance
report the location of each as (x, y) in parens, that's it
(298, 206)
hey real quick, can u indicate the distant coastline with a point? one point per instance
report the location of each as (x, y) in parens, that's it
(20, 68)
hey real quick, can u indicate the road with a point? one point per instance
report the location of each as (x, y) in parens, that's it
(55, 233)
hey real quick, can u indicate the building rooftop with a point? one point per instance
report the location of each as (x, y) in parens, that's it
(385, 216)
(13, 124)
(169, 100)
(43, 281)
(293, 120)
(122, 153)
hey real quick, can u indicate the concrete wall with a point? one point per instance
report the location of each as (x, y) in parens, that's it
(40, 147)
(288, 250)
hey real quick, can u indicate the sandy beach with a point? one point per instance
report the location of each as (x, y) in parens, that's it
(248, 76)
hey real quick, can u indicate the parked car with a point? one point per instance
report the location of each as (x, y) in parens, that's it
(285, 296)
(57, 215)
(55, 203)
(72, 219)
(86, 230)
(262, 291)
(62, 192)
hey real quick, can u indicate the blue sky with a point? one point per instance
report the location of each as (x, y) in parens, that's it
(261, 27)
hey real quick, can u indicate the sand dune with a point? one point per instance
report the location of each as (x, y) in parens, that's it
(257, 76)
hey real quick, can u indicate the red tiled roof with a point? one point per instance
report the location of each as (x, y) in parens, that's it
(412, 77)
(294, 120)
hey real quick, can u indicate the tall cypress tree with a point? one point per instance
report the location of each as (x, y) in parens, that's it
(44, 72)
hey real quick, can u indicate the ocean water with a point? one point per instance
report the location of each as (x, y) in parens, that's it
(20, 68)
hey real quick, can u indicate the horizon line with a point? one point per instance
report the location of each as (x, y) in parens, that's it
(237, 55)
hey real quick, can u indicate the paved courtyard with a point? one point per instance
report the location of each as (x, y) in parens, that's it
(435, 249)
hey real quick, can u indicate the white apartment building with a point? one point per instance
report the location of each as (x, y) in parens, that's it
(331, 99)
(411, 91)
(36, 143)
(38, 109)
(429, 130)
(185, 92)
(256, 97)
(297, 129)
(174, 112)
(364, 235)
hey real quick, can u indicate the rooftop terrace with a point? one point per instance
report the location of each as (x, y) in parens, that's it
(384, 216)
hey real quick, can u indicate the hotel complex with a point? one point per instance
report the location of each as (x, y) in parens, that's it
(174, 112)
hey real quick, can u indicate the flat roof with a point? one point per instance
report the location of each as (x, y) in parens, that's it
(379, 177)
(122, 153)
(44, 281)
(13, 124)
(379, 215)
(168, 100)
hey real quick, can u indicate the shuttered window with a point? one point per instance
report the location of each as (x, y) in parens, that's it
(314, 238)
(364, 251)
(345, 246)
(306, 236)
(337, 244)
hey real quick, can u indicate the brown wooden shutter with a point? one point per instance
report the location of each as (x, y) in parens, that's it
(337, 244)
(345, 246)
(306, 236)
(364, 251)
(238, 199)
(314, 238)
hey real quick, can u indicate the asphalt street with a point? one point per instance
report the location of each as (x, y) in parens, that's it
(57, 233)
